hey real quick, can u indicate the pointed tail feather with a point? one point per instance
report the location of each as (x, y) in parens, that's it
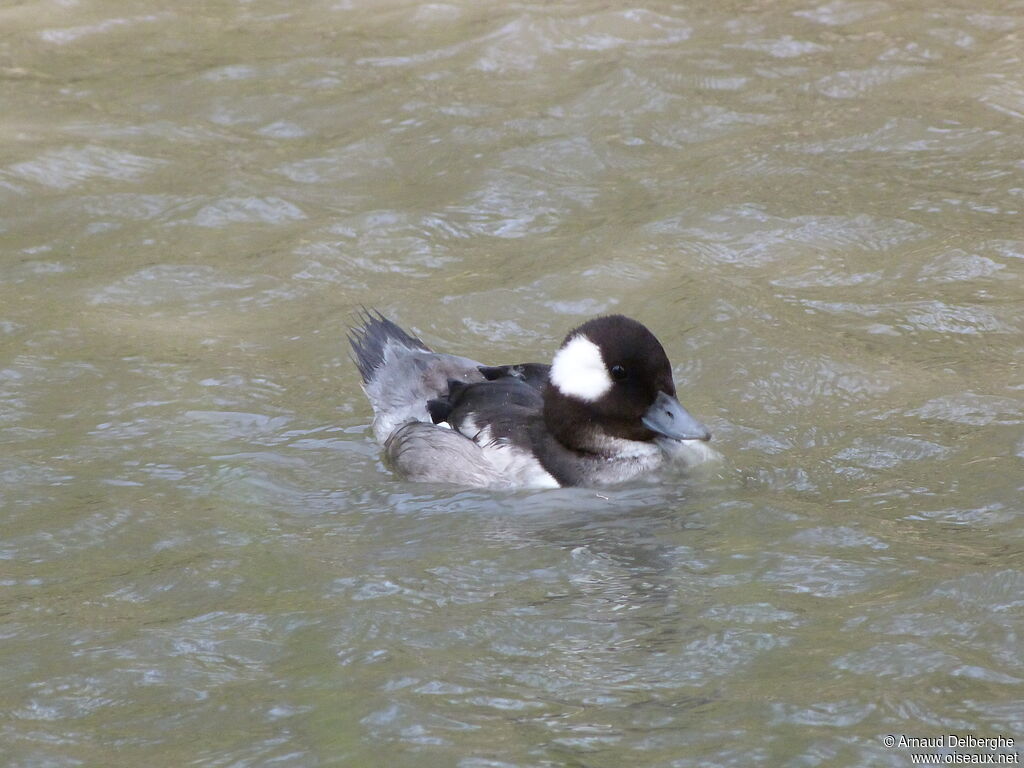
(369, 341)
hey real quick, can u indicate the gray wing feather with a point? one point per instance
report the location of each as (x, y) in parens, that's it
(428, 453)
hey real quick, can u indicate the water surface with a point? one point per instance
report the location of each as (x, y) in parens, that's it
(816, 207)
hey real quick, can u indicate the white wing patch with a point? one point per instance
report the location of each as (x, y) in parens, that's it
(578, 370)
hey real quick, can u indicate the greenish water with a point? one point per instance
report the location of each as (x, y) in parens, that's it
(816, 207)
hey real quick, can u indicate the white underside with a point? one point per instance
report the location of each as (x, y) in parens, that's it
(689, 453)
(521, 468)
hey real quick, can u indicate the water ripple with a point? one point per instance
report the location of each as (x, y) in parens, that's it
(71, 166)
(168, 283)
(205, 559)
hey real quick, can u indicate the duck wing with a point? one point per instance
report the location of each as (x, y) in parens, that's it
(427, 453)
(533, 374)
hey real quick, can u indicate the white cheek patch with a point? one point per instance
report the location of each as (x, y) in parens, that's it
(578, 370)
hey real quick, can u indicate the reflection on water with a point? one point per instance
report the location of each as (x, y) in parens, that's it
(816, 207)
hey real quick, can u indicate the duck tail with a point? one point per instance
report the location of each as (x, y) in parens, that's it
(372, 337)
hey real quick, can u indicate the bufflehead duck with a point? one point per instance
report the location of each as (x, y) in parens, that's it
(604, 411)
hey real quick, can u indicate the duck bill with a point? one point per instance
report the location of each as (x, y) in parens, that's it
(668, 418)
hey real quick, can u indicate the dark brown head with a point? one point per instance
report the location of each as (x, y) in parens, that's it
(612, 378)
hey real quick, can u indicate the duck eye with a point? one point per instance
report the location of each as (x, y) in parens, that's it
(618, 372)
